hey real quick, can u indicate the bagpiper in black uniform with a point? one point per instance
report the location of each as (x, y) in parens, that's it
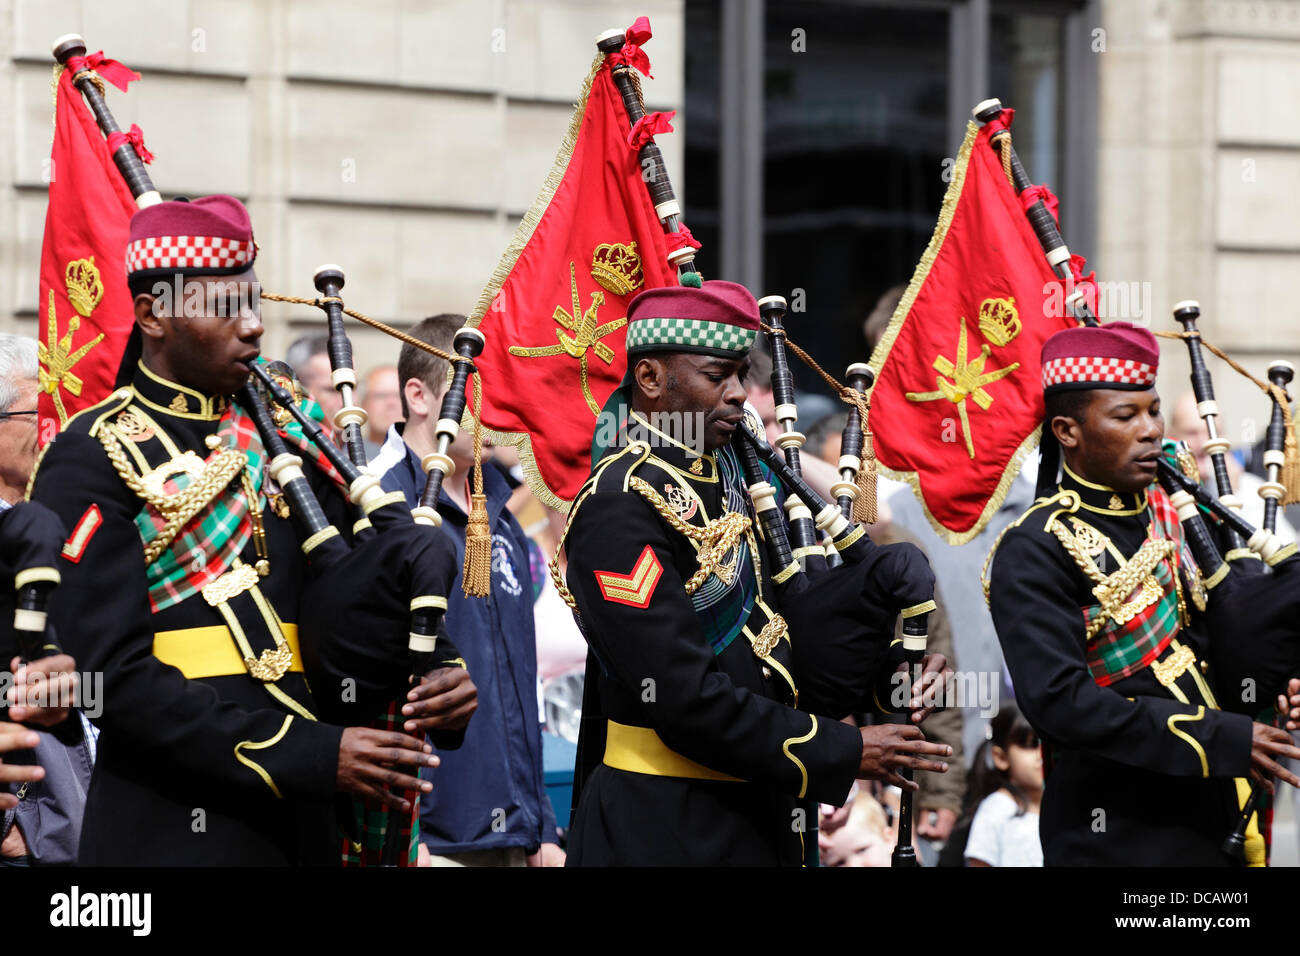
(180, 583)
(691, 750)
(1098, 607)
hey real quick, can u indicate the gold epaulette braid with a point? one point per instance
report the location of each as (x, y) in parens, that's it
(179, 508)
(715, 539)
(1111, 591)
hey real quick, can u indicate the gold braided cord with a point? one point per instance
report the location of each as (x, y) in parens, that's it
(1289, 474)
(91, 75)
(180, 508)
(478, 436)
(1113, 590)
(1004, 150)
(864, 505)
(715, 539)
(401, 337)
(1278, 395)
(373, 323)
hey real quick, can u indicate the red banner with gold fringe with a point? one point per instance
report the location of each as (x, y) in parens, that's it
(555, 313)
(958, 400)
(85, 312)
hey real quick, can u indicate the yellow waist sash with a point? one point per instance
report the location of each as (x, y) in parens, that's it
(199, 652)
(639, 750)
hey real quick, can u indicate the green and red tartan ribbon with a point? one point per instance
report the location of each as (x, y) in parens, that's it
(220, 531)
(372, 819)
(1121, 650)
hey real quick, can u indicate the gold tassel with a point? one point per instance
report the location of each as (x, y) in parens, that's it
(1290, 476)
(476, 577)
(864, 505)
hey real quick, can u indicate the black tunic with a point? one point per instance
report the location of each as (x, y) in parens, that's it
(202, 771)
(1134, 776)
(653, 666)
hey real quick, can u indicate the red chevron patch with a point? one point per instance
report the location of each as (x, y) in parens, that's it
(633, 589)
(75, 546)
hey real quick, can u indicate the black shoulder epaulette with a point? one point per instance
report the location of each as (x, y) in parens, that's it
(613, 473)
(1038, 516)
(87, 421)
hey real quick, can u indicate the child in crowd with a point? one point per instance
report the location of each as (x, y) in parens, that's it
(1006, 790)
(864, 838)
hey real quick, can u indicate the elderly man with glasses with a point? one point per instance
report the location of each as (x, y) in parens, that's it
(45, 788)
(18, 389)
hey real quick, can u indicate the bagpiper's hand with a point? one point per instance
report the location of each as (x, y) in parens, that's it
(1288, 704)
(16, 737)
(40, 684)
(928, 692)
(367, 758)
(445, 700)
(1268, 744)
(886, 748)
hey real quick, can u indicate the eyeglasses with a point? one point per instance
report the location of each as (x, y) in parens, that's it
(30, 411)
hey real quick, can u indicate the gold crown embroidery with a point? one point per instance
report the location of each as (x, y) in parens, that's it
(617, 267)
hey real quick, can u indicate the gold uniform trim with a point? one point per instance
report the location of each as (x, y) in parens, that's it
(429, 600)
(924, 607)
(1236, 554)
(1217, 577)
(786, 573)
(324, 534)
(641, 750)
(211, 407)
(1191, 741)
(256, 767)
(848, 539)
(1282, 554)
(803, 771)
(392, 498)
(32, 575)
(1256, 852)
(199, 652)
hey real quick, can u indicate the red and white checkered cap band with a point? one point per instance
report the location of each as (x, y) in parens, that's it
(1096, 370)
(187, 252)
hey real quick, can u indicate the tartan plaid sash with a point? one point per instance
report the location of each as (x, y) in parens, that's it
(208, 545)
(373, 819)
(722, 609)
(1121, 650)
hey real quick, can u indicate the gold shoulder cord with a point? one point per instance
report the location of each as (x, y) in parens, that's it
(179, 508)
(715, 539)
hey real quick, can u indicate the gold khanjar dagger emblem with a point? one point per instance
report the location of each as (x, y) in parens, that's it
(961, 379)
(617, 268)
(57, 356)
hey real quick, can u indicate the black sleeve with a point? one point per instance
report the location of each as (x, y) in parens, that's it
(1040, 627)
(651, 643)
(103, 618)
(448, 656)
(1253, 620)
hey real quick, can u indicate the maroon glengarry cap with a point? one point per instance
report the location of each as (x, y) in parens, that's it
(1117, 355)
(719, 318)
(211, 235)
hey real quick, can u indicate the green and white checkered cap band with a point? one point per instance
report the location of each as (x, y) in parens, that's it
(689, 335)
